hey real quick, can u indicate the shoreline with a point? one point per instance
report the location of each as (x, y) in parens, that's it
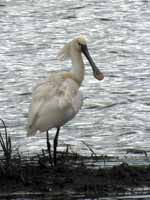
(36, 175)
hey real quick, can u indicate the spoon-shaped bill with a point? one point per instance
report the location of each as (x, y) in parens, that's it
(96, 72)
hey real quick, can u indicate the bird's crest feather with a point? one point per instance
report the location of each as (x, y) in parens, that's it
(64, 53)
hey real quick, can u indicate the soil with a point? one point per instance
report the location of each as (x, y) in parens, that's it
(71, 173)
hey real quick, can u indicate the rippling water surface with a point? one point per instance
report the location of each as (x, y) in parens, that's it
(116, 112)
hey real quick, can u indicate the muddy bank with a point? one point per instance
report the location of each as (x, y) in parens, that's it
(70, 174)
(73, 172)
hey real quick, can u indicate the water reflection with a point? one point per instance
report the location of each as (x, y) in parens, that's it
(32, 32)
(30, 196)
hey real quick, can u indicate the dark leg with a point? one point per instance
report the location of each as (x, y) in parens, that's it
(55, 145)
(49, 148)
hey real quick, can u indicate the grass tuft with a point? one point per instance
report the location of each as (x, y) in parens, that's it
(5, 142)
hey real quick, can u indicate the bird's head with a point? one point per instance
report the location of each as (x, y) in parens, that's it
(80, 44)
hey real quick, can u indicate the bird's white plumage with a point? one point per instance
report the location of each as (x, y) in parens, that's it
(54, 102)
(58, 99)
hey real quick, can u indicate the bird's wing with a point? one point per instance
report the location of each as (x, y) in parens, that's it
(41, 94)
(59, 93)
(66, 89)
(68, 94)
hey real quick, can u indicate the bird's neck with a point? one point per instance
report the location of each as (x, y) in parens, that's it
(77, 65)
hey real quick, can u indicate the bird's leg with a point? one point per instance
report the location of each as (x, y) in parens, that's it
(55, 145)
(49, 148)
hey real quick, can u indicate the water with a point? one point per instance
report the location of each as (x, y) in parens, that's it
(71, 196)
(118, 108)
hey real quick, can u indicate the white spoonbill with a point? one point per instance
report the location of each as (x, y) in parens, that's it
(58, 99)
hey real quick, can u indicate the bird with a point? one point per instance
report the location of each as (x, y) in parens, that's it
(57, 100)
